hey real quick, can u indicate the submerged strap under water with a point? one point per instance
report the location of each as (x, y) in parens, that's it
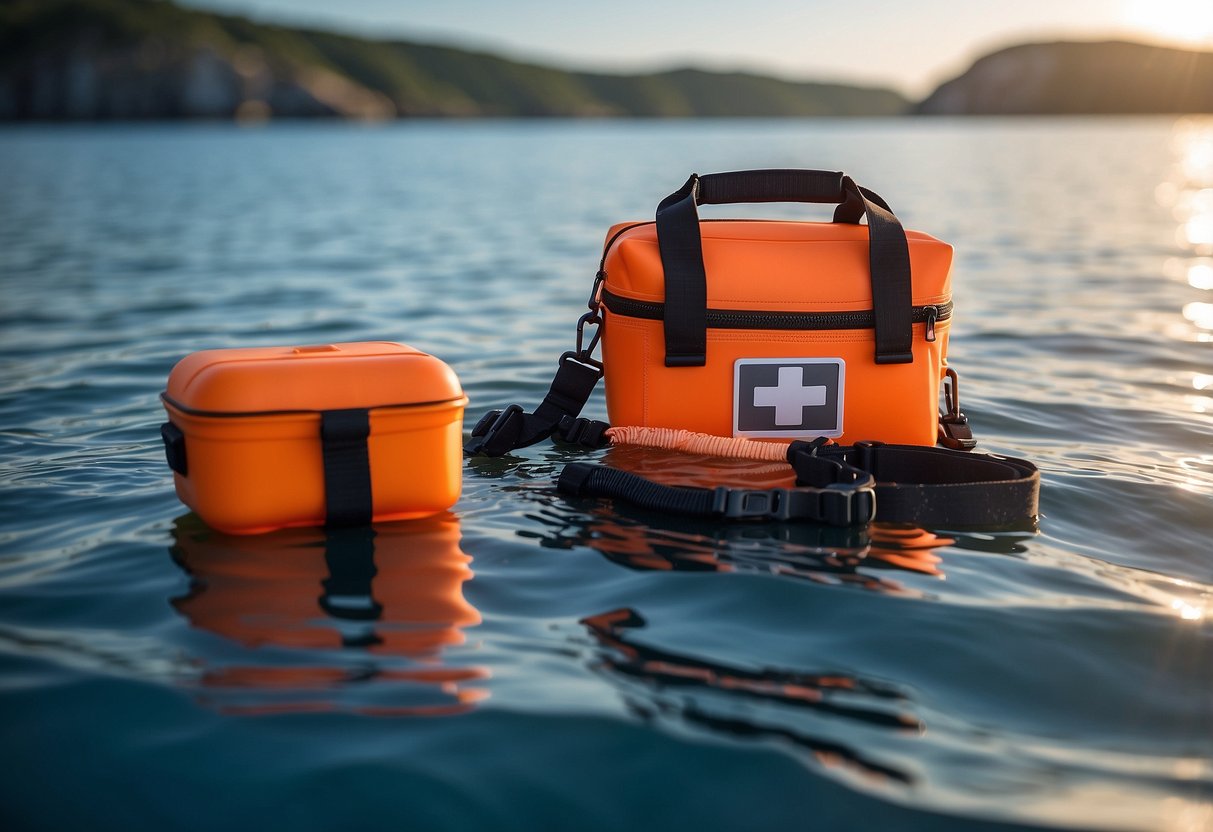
(847, 485)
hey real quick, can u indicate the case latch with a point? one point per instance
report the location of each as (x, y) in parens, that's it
(174, 448)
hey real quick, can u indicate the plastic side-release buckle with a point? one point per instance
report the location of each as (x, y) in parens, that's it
(496, 432)
(840, 504)
(174, 448)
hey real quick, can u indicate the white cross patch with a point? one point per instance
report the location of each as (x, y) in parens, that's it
(790, 396)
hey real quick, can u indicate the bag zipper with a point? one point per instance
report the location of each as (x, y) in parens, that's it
(753, 319)
(744, 319)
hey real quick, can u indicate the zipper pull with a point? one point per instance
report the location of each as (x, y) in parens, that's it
(932, 316)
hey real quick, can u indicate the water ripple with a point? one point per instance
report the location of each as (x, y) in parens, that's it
(591, 661)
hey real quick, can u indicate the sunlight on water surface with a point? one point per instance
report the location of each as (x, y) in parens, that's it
(528, 661)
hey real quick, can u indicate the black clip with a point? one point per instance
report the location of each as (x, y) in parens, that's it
(595, 303)
(496, 432)
(588, 433)
(954, 430)
(955, 433)
(174, 448)
(840, 504)
(740, 503)
(848, 503)
(583, 354)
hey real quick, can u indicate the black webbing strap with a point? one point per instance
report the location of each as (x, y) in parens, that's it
(852, 208)
(889, 264)
(787, 185)
(686, 284)
(347, 467)
(678, 238)
(502, 431)
(846, 501)
(846, 485)
(933, 487)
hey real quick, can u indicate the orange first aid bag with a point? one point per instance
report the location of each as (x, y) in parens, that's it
(776, 329)
(719, 331)
(334, 434)
(759, 328)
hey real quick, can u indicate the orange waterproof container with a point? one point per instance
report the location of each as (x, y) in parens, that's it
(332, 434)
(776, 328)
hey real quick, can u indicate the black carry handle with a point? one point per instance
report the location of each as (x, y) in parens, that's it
(770, 186)
(681, 248)
(817, 186)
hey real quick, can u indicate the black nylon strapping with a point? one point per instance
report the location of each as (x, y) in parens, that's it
(686, 286)
(889, 265)
(347, 467)
(776, 185)
(936, 486)
(612, 482)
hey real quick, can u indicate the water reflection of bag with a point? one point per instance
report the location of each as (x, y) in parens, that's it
(391, 595)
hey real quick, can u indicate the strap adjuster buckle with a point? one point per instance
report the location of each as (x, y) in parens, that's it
(847, 503)
(740, 503)
(588, 433)
(839, 504)
(496, 431)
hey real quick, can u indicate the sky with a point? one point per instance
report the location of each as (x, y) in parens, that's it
(910, 46)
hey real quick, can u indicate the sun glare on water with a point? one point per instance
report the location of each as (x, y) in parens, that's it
(1190, 21)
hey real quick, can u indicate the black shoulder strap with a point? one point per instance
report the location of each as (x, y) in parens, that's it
(845, 485)
(929, 486)
(501, 431)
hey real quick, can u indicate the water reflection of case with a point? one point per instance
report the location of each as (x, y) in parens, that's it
(391, 596)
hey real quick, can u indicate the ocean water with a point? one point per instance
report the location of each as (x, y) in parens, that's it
(529, 662)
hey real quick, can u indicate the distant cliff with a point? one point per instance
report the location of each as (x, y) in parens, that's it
(132, 59)
(151, 59)
(1064, 78)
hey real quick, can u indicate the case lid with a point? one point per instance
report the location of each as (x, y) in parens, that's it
(318, 377)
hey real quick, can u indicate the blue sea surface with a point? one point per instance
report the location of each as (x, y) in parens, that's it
(530, 662)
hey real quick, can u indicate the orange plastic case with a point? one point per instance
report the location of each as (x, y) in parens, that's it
(343, 434)
(773, 267)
